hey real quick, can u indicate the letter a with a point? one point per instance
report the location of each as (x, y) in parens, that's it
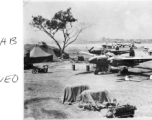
(3, 41)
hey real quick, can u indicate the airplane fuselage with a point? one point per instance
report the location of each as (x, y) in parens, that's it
(104, 62)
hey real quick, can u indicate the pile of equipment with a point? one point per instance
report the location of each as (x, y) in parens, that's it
(96, 100)
(123, 111)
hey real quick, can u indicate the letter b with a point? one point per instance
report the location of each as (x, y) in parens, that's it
(13, 41)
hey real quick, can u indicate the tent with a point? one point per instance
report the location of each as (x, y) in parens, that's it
(39, 50)
(71, 93)
(27, 49)
(94, 96)
(34, 54)
(37, 55)
(50, 50)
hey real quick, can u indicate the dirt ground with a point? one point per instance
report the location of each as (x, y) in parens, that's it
(43, 92)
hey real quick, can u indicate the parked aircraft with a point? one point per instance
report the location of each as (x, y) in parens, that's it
(103, 51)
(108, 46)
(105, 61)
(96, 52)
(123, 44)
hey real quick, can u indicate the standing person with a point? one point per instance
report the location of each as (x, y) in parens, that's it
(132, 52)
(102, 51)
(117, 48)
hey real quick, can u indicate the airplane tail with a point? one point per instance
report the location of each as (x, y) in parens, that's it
(89, 49)
(86, 53)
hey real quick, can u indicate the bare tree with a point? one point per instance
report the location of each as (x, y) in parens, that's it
(62, 21)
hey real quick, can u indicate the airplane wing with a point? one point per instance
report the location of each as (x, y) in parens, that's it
(119, 51)
(129, 61)
(132, 58)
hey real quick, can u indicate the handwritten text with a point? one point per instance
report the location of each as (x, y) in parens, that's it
(9, 79)
(10, 41)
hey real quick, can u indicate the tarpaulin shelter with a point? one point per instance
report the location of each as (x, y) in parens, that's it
(38, 52)
(27, 49)
(50, 50)
(37, 55)
(54, 52)
(94, 96)
(71, 93)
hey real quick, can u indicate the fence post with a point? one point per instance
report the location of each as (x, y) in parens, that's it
(73, 66)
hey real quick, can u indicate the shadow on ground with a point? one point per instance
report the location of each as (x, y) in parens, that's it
(131, 75)
(143, 67)
(131, 80)
(100, 73)
(30, 101)
(57, 114)
(35, 109)
(144, 74)
(84, 72)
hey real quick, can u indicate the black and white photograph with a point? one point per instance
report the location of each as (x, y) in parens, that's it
(87, 59)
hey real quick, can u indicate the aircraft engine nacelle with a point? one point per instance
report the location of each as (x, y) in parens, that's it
(100, 61)
(116, 63)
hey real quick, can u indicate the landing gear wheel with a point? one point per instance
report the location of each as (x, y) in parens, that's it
(126, 71)
(96, 72)
(109, 69)
(131, 116)
(45, 70)
(34, 71)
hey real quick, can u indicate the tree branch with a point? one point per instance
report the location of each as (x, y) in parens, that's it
(70, 38)
(62, 21)
(73, 40)
(64, 42)
(64, 34)
(77, 34)
(55, 32)
(37, 30)
(51, 36)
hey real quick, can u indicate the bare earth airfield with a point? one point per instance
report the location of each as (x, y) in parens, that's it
(44, 92)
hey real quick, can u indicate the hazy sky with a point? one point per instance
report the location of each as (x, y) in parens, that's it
(111, 19)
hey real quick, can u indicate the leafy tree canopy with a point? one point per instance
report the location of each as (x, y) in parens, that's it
(62, 21)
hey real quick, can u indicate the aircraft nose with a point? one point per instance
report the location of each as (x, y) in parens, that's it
(92, 60)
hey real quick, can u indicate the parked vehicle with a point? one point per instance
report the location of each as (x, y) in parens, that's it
(150, 51)
(40, 70)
